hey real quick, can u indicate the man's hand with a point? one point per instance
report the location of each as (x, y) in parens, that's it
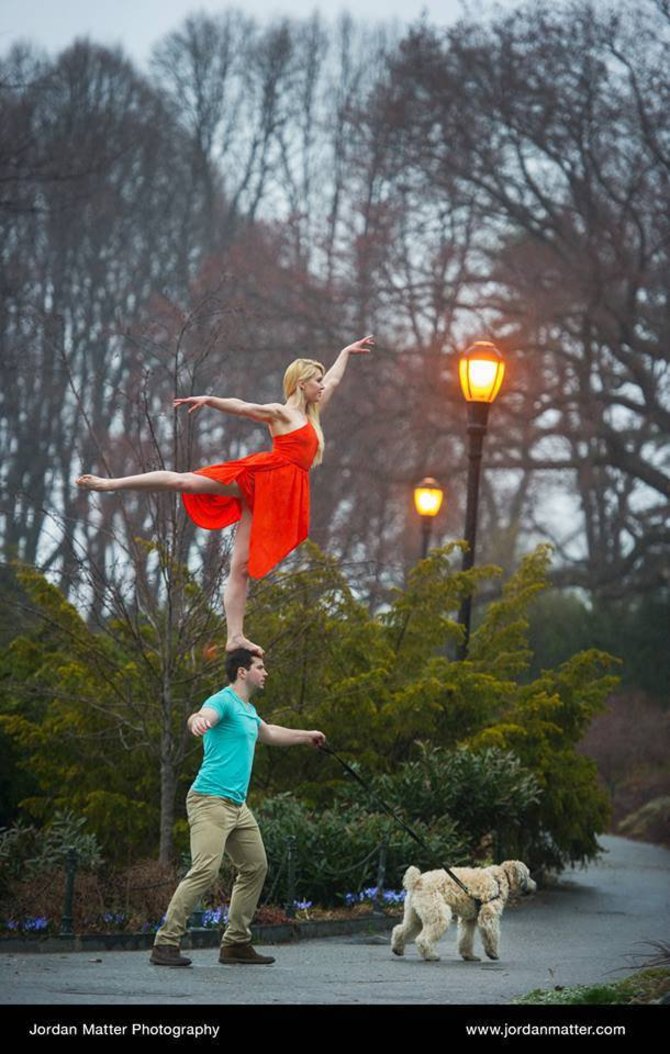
(317, 739)
(198, 724)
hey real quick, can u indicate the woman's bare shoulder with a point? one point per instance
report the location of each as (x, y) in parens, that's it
(289, 421)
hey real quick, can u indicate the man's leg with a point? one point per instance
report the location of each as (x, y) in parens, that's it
(247, 852)
(211, 820)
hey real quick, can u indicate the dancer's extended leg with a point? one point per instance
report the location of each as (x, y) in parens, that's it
(183, 482)
(237, 587)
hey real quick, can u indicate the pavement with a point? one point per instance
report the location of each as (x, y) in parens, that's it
(584, 930)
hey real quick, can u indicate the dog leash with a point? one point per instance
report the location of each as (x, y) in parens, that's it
(401, 823)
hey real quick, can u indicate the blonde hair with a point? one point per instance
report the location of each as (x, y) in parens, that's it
(304, 370)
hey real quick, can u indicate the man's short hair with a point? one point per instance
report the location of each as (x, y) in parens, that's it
(240, 658)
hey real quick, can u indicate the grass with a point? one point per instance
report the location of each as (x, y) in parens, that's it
(642, 987)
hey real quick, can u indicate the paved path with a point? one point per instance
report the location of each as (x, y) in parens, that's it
(579, 932)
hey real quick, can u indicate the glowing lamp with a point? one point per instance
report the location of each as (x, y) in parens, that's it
(481, 370)
(428, 497)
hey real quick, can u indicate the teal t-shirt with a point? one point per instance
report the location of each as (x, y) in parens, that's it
(229, 748)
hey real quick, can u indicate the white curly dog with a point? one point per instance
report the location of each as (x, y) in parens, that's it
(433, 898)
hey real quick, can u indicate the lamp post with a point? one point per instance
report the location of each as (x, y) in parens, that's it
(428, 497)
(481, 370)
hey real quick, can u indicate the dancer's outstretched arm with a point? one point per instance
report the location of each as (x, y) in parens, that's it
(336, 371)
(265, 412)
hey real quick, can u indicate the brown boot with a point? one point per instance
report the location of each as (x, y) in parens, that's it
(243, 953)
(168, 955)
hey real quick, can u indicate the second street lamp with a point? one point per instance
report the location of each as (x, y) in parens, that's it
(481, 370)
(428, 497)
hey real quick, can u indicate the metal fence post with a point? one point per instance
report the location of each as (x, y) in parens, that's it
(378, 906)
(196, 916)
(67, 922)
(289, 907)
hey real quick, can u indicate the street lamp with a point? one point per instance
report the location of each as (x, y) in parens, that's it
(481, 370)
(428, 497)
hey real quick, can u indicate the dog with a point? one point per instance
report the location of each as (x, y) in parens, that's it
(433, 898)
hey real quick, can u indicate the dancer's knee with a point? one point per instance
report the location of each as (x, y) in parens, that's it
(239, 567)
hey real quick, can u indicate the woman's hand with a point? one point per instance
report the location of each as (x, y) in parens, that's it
(361, 347)
(194, 402)
(336, 371)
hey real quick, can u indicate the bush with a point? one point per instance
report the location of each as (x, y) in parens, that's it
(486, 795)
(337, 850)
(633, 628)
(27, 851)
(380, 684)
(465, 805)
(106, 900)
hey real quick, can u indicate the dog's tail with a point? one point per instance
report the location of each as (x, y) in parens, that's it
(410, 878)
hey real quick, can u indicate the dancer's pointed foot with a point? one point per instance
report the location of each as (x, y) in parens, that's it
(240, 641)
(88, 482)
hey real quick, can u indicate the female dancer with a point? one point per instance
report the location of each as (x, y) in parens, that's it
(268, 493)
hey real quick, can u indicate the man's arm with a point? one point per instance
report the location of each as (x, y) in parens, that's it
(278, 736)
(199, 722)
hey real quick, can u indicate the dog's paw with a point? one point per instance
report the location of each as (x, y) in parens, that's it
(472, 958)
(428, 955)
(397, 941)
(492, 956)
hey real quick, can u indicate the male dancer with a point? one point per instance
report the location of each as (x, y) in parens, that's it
(218, 816)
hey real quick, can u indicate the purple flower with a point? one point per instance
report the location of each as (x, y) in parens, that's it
(35, 925)
(151, 927)
(215, 916)
(389, 896)
(114, 918)
(393, 896)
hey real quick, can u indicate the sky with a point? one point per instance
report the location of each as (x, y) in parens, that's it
(138, 24)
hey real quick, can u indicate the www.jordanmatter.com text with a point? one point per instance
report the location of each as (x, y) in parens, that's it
(507, 1031)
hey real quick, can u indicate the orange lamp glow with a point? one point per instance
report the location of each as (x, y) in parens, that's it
(428, 497)
(481, 370)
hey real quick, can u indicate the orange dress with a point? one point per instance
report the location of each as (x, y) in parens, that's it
(275, 485)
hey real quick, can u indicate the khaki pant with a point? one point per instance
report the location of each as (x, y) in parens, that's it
(217, 824)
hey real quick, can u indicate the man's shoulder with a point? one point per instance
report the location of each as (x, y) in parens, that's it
(220, 700)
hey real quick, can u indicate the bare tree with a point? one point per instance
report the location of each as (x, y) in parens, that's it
(309, 181)
(79, 266)
(548, 136)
